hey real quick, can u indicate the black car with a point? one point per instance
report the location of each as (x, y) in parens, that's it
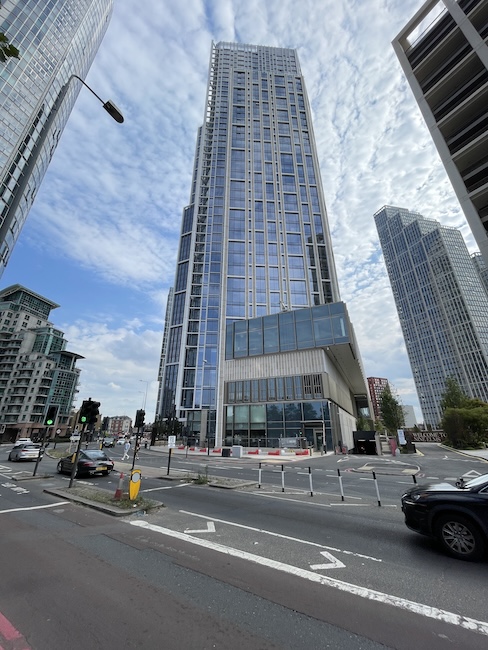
(90, 461)
(457, 515)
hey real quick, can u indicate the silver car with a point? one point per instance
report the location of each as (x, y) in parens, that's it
(25, 451)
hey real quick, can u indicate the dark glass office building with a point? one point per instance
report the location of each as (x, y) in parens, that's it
(255, 266)
(56, 39)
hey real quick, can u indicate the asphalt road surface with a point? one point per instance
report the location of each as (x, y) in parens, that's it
(257, 567)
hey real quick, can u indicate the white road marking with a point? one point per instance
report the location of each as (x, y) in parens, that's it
(272, 534)
(472, 474)
(271, 495)
(49, 505)
(363, 592)
(333, 563)
(356, 505)
(209, 529)
(167, 487)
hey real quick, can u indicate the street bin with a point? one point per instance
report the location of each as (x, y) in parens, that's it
(226, 453)
(237, 451)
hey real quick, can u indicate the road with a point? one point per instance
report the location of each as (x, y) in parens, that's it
(248, 568)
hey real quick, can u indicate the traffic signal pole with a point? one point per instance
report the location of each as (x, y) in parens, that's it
(41, 451)
(136, 448)
(76, 455)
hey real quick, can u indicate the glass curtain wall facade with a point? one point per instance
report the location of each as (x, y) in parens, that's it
(444, 53)
(255, 237)
(56, 39)
(441, 304)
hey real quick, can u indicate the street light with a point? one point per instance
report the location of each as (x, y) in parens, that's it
(145, 394)
(33, 158)
(109, 106)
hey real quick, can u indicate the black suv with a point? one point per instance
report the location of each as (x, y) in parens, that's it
(457, 515)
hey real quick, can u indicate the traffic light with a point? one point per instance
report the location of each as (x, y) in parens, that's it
(50, 416)
(83, 414)
(89, 411)
(140, 418)
(93, 411)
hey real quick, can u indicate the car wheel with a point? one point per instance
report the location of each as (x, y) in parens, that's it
(10, 457)
(460, 537)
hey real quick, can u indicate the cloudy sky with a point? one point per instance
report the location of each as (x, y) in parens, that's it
(101, 239)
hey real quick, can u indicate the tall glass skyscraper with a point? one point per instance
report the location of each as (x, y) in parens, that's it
(254, 242)
(441, 304)
(56, 39)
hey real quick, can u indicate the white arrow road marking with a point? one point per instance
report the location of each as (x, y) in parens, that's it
(363, 592)
(333, 563)
(272, 534)
(472, 474)
(209, 529)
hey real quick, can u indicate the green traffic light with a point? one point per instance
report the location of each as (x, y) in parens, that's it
(49, 422)
(83, 418)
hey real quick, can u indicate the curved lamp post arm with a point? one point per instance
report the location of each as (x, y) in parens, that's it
(33, 157)
(109, 106)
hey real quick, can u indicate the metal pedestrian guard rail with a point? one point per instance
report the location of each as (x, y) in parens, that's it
(291, 470)
(260, 470)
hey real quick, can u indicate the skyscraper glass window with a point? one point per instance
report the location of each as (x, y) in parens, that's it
(255, 238)
(441, 304)
(56, 40)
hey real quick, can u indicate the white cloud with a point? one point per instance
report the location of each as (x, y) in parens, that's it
(112, 200)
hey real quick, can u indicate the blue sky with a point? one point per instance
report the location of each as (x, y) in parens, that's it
(101, 239)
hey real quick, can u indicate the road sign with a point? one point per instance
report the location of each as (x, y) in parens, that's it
(171, 442)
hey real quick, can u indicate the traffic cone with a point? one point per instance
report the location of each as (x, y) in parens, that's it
(118, 491)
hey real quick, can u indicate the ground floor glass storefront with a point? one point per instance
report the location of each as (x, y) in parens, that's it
(279, 424)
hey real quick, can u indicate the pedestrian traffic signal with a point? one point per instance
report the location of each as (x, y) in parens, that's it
(140, 418)
(50, 416)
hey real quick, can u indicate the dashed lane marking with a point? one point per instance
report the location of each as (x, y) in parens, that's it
(48, 505)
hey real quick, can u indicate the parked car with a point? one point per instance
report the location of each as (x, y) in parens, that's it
(25, 451)
(108, 442)
(22, 441)
(456, 515)
(90, 461)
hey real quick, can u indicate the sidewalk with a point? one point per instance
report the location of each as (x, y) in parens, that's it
(248, 453)
(481, 454)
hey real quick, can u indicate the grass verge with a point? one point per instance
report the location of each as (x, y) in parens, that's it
(103, 496)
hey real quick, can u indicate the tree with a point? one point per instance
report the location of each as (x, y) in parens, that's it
(453, 397)
(466, 428)
(7, 50)
(363, 423)
(391, 411)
